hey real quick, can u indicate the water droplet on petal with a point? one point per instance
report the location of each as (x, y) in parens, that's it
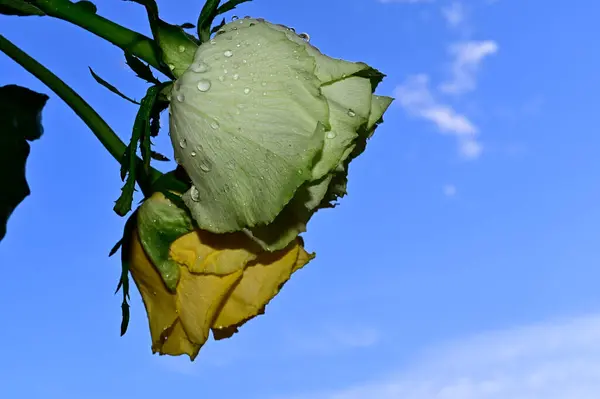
(263, 84)
(193, 153)
(305, 36)
(292, 29)
(180, 97)
(171, 67)
(228, 53)
(205, 167)
(299, 171)
(194, 194)
(236, 76)
(203, 85)
(247, 90)
(331, 135)
(264, 93)
(182, 49)
(214, 124)
(247, 17)
(235, 18)
(200, 67)
(213, 41)
(244, 61)
(351, 113)
(183, 143)
(222, 78)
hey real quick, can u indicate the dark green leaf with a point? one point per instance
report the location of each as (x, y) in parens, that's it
(20, 122)
(140, 134)
(141, 70)
(125, 265)
(158, 156)
(173, 182)
(115, 249)
(111, 87)
(230, 5)
(206, 18)
(86, 6)
(217, 27)
(19, 7)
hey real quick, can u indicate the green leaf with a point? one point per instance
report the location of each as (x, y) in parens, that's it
(230, 5)
(217, 27)
(111, 87)
(125, 265)
(140, 134)
(20, 122)
(160, 223)
(206, 18)
(141, 69)
(19, 7)
(158, 156)
(177, 47)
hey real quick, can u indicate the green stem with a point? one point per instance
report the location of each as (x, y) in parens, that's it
(99, 127)
(135, 43)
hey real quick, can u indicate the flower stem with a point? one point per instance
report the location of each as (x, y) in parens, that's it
(135, 43)
(90, 117)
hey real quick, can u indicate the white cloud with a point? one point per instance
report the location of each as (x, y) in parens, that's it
(467, 58)
(557, 360)
(454, 14)
(449, 190)
(416, 98)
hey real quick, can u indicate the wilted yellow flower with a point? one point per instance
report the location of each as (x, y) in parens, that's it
(221, 280)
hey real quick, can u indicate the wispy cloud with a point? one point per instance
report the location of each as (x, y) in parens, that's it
(454, 14)
(467, 57)
(556, 360)
(415, 96)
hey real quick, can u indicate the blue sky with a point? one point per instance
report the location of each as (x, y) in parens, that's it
(462, 265)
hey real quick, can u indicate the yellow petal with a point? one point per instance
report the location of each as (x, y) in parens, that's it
(167, 337)
(208, 253)
(199, 298)
(261, 281)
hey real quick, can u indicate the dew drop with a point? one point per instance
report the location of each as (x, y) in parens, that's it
(264, 93)
(200, 67)
(183, 143)
(193, 153)
(260, 19)
(236, 76)
(215, 125)
(247, 90)
(182, 49)
(194, 194)
(180, 97)
(222, 78)
(213, 41)
(299, 171)
(245, 61)
(204, 167)
(263, 84)
(203, 85)
(351, 113)
(331, 135)
(228, 53)
(292, 29)
(247, 17)
(235, 18)
(171, 67)
(305, 36)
